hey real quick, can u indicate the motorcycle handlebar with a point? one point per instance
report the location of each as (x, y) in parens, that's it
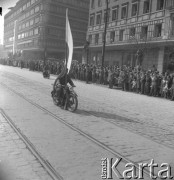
(64, 86)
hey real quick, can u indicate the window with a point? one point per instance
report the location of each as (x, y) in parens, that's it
(144, 32)
(132, 32)
(36, 9)
(146, 6)
(92, 4)
(98, 18)
(41, 7)
(36, 31)
(36, 20)
(27, 24)
(172, 24)
(32, 11)
(24, 7)
(22, 35)
(32, 1)
(19, 36)
(23, 26)
(121, 35)
(107, 15)
(158, 30)
(99, 3)
(28, 4)
(124, 12)
(92, 20)
(112, 36)
(114, 14)
(31, 33)
(27, 14)
(160, 4)
(23, 17)
(134, 9)
(26, 34)
(90, 38)
(31, 22)
(96, 38)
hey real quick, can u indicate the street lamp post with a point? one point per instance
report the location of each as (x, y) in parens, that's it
(104, 35)
(86, 47)
(45, 47)
(14, 38)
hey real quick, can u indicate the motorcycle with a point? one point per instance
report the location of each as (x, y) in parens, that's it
(68, 100)
(46, 74)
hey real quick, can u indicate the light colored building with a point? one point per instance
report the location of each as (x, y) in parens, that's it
(145, 26)
(36, 27)
(3, 53)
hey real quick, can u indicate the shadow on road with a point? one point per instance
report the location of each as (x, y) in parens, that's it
(105, 115)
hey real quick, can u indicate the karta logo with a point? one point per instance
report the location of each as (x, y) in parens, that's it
(111, 170)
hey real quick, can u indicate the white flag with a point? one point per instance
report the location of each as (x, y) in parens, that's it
(69, 41)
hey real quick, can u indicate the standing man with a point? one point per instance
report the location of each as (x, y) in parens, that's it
(172, 89)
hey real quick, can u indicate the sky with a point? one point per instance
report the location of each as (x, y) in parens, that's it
(5, 4)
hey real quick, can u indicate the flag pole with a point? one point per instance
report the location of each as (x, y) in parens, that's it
(66, 53)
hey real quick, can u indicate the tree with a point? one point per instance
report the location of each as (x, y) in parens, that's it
(139, 44)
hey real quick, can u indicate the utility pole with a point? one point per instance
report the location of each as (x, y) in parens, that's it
(104, 35)
(1, 11)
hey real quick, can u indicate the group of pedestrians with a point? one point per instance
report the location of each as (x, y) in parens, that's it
(34, 65)
(137, 80)
(53, 67)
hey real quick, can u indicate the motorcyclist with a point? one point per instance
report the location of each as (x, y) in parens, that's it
(61, 81)
(46, 69)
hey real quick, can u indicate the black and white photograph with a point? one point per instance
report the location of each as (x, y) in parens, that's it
(86, 89)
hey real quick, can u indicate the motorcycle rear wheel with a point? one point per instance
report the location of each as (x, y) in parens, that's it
(55, 100)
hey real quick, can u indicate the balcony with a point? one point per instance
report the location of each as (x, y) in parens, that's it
(169, 4)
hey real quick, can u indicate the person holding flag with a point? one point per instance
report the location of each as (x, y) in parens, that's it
(64, 77)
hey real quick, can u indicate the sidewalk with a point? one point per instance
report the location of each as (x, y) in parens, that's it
(16, 161)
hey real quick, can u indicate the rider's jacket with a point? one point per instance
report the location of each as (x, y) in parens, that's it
(61, 80)
(46, 68)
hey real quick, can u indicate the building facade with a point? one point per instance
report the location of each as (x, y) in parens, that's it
(3, 53)
(138, 32)
(37, 27)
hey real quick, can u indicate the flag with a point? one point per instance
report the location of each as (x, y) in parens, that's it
(69, 41)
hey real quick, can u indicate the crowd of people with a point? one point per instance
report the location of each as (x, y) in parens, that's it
(34, 65)
(137, 80)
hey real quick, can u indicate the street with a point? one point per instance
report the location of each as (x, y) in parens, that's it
(109, 123)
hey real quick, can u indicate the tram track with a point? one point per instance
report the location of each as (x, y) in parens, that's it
(44, 162)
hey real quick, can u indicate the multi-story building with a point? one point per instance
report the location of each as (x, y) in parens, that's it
(138, 32)
(3, 53)
(37, 27)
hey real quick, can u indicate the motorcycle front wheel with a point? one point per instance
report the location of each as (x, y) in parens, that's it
(72, 103)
